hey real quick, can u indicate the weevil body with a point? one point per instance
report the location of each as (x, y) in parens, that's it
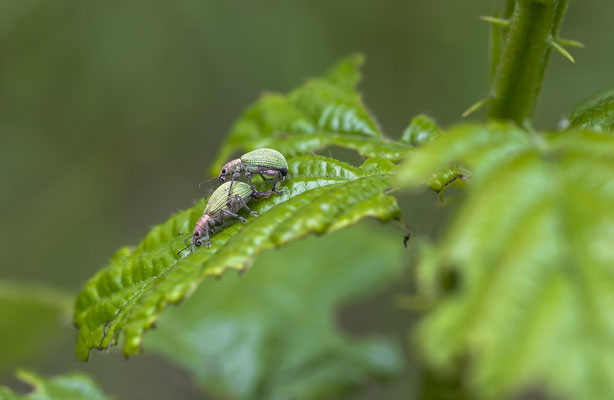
(264, 162)
(217, 210)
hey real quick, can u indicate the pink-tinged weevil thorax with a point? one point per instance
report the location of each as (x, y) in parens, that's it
(200, 227)
(230, 168)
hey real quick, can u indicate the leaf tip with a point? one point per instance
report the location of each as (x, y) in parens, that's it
(82, 352)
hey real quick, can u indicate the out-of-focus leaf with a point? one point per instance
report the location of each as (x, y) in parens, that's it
(323, 112)
(322, 196)
(596, 113)
(483, 146)
(31, 317)
(421, 129)
(73, 386)
(531, 257)
(450, 177)
(271, 334)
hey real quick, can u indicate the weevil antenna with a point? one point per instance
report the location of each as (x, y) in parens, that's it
(208, 180)
(209, 193)
(185, 248)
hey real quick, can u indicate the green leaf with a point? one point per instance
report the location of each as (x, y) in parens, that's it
(73, 386)
(450, 177)
(323, 112)
(271, 334)
(128, 295)
(421, 129)
(477, 147)
(531, 256)
(32, 317)
(595, 113)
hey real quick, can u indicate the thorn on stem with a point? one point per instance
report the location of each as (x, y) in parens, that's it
(570, 43)
(476, 107)
(557, 46)
(502, 22)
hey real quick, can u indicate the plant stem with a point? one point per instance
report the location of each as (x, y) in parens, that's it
(518, 80)
(561, 7)
(509, 8)
(495, 49)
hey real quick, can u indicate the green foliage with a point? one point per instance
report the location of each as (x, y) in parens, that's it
(450, 177)
(595, 113)
(530, 252)
(520, 284)
(32, 317)
(74, 386)
(271, 334)
(324, 111)
(322, 195)
(421, 129)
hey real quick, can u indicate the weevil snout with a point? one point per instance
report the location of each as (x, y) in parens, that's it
(225, 171)
(197, 238)
(229, 168)
(197, 235)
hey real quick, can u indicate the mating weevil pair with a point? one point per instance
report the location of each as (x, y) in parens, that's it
(235, 195)
(264, 162)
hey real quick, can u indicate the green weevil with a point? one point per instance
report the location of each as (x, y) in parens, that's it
(264, 162)
(216, 212)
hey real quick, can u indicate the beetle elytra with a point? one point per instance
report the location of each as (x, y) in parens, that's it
(217, 211)
(264, 162)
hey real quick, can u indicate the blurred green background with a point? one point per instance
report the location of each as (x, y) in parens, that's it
(111, 112)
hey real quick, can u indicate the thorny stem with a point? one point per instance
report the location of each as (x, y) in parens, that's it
(561, 7)
(520, 73)
(509, 8)
(495, 49)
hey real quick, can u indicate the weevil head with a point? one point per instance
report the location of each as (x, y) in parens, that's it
(230, 168)
(200, 229)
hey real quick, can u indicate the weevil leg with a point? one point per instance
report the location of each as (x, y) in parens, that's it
(240, 218)
(261, 195)
(277, 178)
(242, 204)
(207, 240)
(236, 204)
(278, 191)
(248, 175)
(255, 191)
(235, 176)
(265, 178)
